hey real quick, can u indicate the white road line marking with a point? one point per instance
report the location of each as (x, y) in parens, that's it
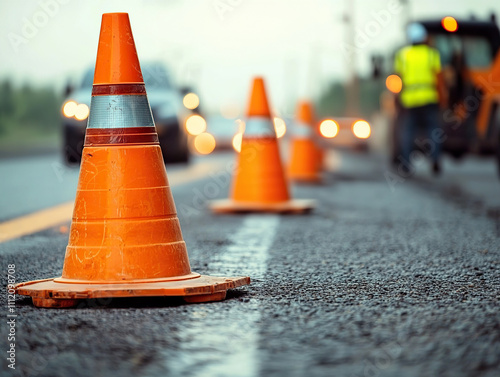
(224, 342)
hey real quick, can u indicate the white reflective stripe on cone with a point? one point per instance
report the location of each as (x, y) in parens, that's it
(302, 130)
(259, 126)
(120, 111)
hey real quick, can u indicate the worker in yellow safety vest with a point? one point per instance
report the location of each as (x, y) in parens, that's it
(419, 67)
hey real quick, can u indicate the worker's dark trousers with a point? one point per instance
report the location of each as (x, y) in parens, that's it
(422, 117)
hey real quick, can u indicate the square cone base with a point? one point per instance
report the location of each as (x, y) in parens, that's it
(294, 206)
(52, 294)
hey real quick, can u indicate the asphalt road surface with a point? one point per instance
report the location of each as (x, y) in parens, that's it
(382, 279)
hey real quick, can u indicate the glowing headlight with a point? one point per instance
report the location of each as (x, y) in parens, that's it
(361, 129)
(191, 101)
(237, 140)
(279, 127)
(204, 143)
(329, 128)
(82, 111)
(69, 109)
(195, 125)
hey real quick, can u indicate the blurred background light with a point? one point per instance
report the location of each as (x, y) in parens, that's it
(196, 125)
(449, 24)
(69, 109)
(204, 143)
(191, 101)
(237, 140)
(361, 129)
(279, 127)
(394, 83)
(81, 111)
(240, 124)
(329, 128)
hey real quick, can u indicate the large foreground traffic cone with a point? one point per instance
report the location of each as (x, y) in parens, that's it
(305, 156)
(125, 238)
(259, 183)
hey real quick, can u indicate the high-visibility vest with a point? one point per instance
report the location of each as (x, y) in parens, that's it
(418, 66)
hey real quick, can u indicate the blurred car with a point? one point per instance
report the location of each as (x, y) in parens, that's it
(223, 130)
(345, 132)
(166, 104)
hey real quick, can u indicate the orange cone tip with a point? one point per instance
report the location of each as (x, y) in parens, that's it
(117, 61)
(305, 113)
(258, 105)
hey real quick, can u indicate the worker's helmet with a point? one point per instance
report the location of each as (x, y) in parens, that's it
(416, 33)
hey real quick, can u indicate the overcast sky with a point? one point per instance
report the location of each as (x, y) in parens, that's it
(217, 45)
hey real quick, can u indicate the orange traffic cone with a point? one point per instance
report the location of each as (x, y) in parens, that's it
(125, 238)
(305, 159)
(259, 182)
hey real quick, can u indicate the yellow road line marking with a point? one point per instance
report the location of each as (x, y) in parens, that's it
(36, 222)
(59, 214)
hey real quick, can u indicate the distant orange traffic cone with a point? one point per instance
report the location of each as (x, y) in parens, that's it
(305, 157)
(125, 238)
(259, 183)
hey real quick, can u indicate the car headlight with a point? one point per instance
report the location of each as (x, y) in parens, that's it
(237, 141)
(191, 101)
(196, 125)
(329, 128)
(361, 129)
(204, 143)
(279, 127)
(72, 109)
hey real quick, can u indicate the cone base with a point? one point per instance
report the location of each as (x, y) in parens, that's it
(294, 206)
(48, 293)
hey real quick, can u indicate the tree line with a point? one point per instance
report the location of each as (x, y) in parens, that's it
(34, 108)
